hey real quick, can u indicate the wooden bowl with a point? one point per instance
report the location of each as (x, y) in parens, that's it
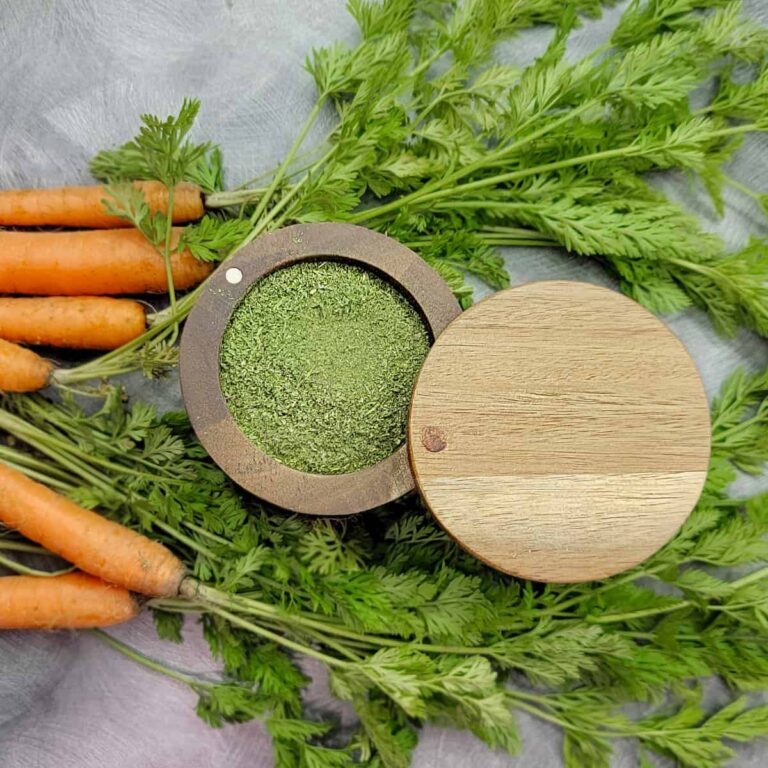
(211, 419)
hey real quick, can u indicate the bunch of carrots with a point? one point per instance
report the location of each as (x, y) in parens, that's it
(114, 564)
(72, 272)
(63, 282)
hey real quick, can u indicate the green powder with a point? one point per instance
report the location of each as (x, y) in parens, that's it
(318, 364)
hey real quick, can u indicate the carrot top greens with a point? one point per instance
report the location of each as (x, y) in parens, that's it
(454, 154)
(318, 364)
(410, 627)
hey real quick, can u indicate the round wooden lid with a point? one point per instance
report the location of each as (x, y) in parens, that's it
(559, 432)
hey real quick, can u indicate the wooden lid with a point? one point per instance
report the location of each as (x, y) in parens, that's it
(559, 431)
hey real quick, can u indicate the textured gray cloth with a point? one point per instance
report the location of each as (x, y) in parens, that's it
(74, 75)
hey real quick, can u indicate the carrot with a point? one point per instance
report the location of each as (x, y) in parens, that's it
(83, 206)
(88, 322)
(86, 539)
(70, 601)
(21, 370)
(110, 261)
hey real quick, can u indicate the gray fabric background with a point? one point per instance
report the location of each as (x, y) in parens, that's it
(74, 75)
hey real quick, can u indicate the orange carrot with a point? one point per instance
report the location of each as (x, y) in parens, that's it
(87, 322)
(83, 206)
(71, 601)
(21, 370)
(86, 539)
(84, 263)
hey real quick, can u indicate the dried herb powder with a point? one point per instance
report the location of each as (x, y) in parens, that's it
(318, 364)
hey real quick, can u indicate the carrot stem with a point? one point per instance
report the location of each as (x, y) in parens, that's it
(283, 167)
(167, 257)
(613, 618)
(39, 476)
(145, 661)
(25, 570)
(443, 189)
(23, 430)
(34, 467)
(217, 602)
(276, 638)
(247, 186)
(306, 623)
(208, 534)
(179, 536)
(119, 360)
(743, 188)
(22, 546)
(68, 425)
(175, 605)
(318, 629)
(79, 391)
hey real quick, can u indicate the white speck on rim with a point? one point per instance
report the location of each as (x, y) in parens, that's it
(233, 275)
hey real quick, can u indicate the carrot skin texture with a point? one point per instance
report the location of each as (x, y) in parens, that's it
(94, 544)
(90, 263)
(70, 601)
(21, 370)
(83, 206)
(87, 322)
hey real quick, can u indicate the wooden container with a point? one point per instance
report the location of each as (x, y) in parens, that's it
(558, 430)
(246, 464)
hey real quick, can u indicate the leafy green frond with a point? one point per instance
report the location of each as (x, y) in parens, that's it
(213, 238)
(126, 201)
(643, 20)
(162, 151)
(381, 18)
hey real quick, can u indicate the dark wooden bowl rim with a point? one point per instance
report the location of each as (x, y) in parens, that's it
(211, 419)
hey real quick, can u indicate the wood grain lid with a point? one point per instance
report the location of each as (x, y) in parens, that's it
(559, 431)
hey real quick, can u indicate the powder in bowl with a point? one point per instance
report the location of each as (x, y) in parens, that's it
(318, 364)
